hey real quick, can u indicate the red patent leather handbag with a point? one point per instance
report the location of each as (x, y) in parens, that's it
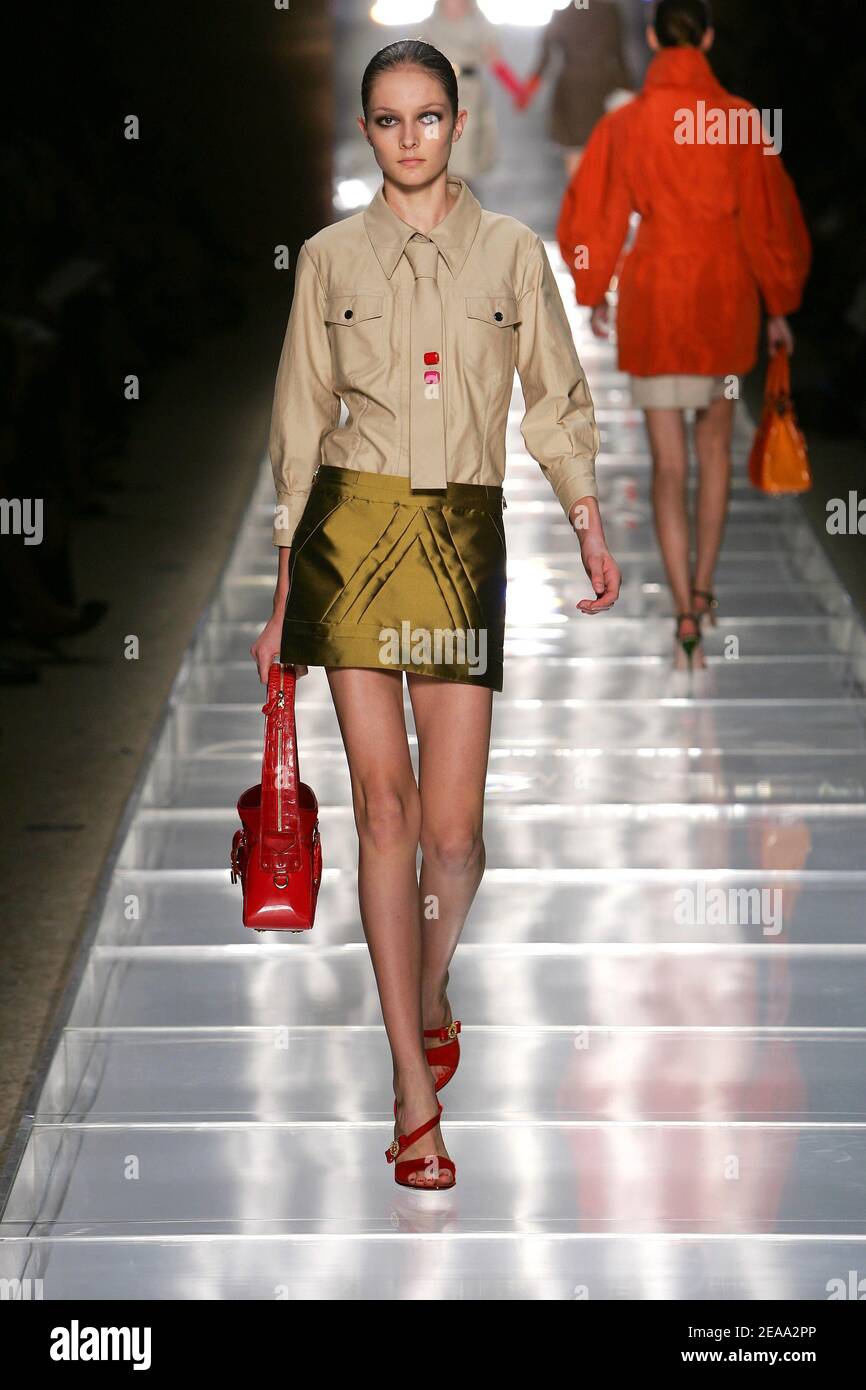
(277, 855)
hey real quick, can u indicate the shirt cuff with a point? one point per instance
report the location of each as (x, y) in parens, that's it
(575, 486)
(287, 513)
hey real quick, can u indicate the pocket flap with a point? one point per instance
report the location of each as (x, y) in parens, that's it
(498, 309)
(353, 308)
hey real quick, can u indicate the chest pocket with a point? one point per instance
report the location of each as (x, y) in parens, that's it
(356, 335)
(490, 323)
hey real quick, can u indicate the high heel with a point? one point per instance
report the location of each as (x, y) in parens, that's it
(690, 643)
(406, 1167)
(712, 604)
(447, 1056)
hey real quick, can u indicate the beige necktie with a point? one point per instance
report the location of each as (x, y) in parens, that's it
(427, 405)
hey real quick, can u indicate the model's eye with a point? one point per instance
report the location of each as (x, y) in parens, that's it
(430, 116)
(385, 120)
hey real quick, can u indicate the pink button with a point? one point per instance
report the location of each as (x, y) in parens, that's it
(430, 377)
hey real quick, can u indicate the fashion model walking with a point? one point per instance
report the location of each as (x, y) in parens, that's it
(414, 315)
(720, 227)
(586, 46)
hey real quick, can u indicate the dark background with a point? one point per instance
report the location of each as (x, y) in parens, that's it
(122, 256)
(808, 59)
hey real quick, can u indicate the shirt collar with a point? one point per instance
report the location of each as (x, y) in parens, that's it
(454, 235)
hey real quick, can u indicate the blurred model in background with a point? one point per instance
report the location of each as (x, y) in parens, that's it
(588, 46)
(720, 229)
(471, 43)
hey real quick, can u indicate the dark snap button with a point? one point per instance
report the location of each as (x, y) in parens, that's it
(347, 314)
(498, 316)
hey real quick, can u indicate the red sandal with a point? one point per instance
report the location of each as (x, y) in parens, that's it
(447, 1056)
(404, 1169)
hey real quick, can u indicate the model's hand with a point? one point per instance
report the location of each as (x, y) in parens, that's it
(603, 574)
(266, 648)
(599, 321)
(779, 335)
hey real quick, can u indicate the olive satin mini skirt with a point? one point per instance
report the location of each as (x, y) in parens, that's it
(383, 576)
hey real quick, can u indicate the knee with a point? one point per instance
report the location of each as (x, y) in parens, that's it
(388, 816)
(670, 470)
(453, 848)
(713, 444)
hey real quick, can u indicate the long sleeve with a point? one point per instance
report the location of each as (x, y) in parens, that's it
(773, 229)
(619, 72)
(595, 215)
(559, 427)
(305, 403)
(546, 48)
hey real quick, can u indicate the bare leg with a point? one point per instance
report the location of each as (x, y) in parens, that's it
(387, 806)
(667, 436)
(453, 725)
(713, 428)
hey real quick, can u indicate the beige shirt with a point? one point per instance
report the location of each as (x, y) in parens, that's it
(501, 310)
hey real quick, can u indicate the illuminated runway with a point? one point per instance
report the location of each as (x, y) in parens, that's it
(662, 982)
(661, 1092)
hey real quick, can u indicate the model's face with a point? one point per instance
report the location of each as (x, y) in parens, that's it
(409, 126)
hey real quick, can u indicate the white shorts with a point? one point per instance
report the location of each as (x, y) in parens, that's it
(676, 392)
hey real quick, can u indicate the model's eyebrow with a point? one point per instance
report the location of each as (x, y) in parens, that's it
(428, 106)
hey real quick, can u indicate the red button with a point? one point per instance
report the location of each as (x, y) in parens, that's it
(430, 358)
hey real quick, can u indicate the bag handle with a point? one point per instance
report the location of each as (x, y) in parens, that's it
(280, 835)
(778, 388)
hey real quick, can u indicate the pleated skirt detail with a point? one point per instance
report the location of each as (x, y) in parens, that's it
(385, 577)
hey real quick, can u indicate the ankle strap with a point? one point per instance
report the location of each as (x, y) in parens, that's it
(443, 1034)
(405, 1141)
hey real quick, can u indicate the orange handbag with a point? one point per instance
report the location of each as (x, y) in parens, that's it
(779, 462)
(277, 855)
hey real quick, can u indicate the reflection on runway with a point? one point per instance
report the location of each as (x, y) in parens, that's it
(662, 982)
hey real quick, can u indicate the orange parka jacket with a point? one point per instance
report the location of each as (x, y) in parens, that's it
(720, 223)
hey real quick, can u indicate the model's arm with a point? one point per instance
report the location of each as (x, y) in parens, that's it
(546, 48)
(559, 427)
(593, 220)
(545, 52)
(775, 236)
(305, 408)
(619, 64)
(491, 53)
